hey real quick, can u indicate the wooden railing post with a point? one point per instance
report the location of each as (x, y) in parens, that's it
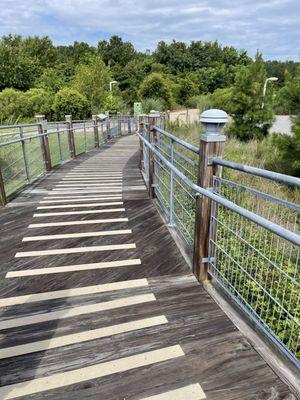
(211, 145)
(108, 129)
(71, 139)
(119, 121)
(3, 199)
(129, 125)
(40, 119)
(96, 131)
(153, 121)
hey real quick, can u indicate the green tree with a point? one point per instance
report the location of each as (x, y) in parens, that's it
(288, 97)
(12, 106)
(112, 104)
(156, 86)
(250, 120)
(115, 51)
(174, 55)
(222, 98)
(289, 149)
(70, 101)
(92, 80)
(17, 70)
(74, 53)
(186, 89)
(38, 101)
(51, 80)
(131, 76)
(39, 49)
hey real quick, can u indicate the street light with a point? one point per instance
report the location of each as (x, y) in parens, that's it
(111, 83)
(271, 79)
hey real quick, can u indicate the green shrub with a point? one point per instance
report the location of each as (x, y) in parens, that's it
(70, 101)
(38, 101)
(12, 106)
(202, 102)
(156, 86)
(152, 104)
(222, 99)
(289, 149)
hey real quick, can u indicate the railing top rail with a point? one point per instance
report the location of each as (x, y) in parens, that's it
(271, 226)
(2, 127)
(187, 145)
(275, 176)
(26, 138)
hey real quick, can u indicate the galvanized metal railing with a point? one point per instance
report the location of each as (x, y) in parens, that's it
(251, 244)
(27, 150)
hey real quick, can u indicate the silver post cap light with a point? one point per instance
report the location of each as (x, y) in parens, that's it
(154, 114)
(213, 121)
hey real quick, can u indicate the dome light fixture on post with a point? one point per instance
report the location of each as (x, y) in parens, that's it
(212, 143)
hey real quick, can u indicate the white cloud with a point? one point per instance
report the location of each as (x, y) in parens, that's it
(272, 26)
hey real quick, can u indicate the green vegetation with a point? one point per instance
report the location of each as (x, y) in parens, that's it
(38, 77)
(175, 74)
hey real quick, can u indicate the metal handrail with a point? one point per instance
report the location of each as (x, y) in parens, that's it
(274, 176)
(270, 226)
(24, 139)
(169, 135)
(18, 126)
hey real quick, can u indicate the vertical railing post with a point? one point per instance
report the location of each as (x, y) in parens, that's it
(211, 145)
(140, 130)
(59, 142)
(26, 167)
(96, 131)
(152, 121)
(108, 137)
(71, 139)
(3, 199)
(129, 125)
(40, 119)
(84, 134)
(171, 207)
(103, 134)
(119, 126)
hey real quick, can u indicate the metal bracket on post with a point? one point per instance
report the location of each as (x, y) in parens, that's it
(211, 145)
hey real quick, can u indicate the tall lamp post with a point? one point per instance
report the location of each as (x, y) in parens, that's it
(271, 79)
(111, 83)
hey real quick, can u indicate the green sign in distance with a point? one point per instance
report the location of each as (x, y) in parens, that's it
(137, 108)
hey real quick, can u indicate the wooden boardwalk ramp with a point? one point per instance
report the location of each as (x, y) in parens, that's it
(96, 301)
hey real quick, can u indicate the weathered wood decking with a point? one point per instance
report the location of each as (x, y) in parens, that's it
(111, 331)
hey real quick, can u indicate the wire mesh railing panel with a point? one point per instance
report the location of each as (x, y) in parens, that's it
(12, 166)
(181, 160)
(175, 198)
(34, 153)
(257, 268)
(80, 140)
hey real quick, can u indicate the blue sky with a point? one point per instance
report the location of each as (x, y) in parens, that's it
(271, 26)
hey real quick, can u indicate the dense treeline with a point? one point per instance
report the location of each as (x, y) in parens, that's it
(37, 77)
